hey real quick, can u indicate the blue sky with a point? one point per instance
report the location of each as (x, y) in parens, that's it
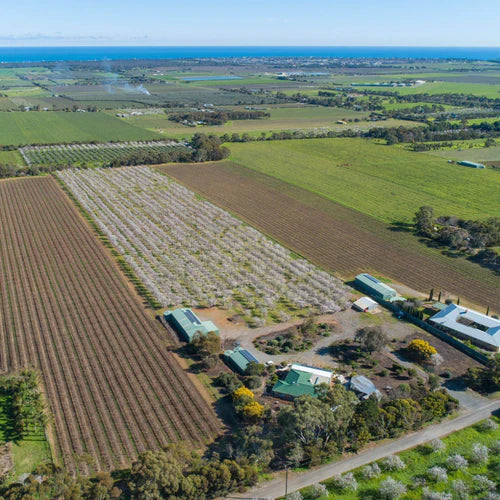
(255, 22)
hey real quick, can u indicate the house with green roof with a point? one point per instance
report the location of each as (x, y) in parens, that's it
(187, 324)
(238, 359)
(301, 380)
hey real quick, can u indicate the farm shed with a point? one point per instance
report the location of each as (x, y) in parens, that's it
(187, 324)
(365, 304)
(466, 324)
(471, 164)
(374, 287)
(301, 380)
(238, 359)
(363, 387)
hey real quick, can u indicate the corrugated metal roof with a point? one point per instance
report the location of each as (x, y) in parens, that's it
(362, 384)
(301, 380)
(241, 358)
(189, 322)
(489, 334)
(374, 284)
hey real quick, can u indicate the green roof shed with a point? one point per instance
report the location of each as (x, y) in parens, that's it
(187, 324)
(239, 359)
(374, 287)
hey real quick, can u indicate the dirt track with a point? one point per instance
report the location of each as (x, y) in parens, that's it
(335, 237)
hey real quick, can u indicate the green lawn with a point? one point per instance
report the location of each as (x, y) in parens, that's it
(11, 158)
(385, 182)
(419, 460)
(27, 453)
(471, 154)
(53, 127)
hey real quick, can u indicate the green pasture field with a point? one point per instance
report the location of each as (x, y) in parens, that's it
(440, 87)
(385, 182)
(11, 158)
(49, 127)
(471, 154)
(6, 104)
(419, 460)
(27, 453)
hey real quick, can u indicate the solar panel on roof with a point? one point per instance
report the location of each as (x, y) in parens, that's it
(249, 357)
(371, 278)
(191, 317)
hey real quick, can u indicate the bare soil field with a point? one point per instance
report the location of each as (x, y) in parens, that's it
(335, 237)
(113, 387)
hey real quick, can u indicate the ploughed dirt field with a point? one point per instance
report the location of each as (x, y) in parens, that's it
(337, 238)
(112, 386)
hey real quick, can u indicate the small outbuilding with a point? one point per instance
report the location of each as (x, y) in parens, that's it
(471, 164)
(238, 359)
(374, 287)
(187, 324)
(363, 387)
(365, 304)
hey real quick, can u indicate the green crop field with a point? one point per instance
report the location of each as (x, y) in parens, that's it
(53, 127)
(11, 158)
(27, 453)
(385, 182)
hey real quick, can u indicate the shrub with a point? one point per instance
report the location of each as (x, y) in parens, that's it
(253, 382)
(370, 471)
(253, 411)
(482, 483)
(296, 495)
(479, 454)
(390, 489)
(495, 447)
(446, 374)
(346, 482)
(421, 349)
(437, 473)
(460, 489)
(241, 394)
(428, 494)
(437, 445)
(393, 463)
(318, 490)
(456, 462)
(488, 425)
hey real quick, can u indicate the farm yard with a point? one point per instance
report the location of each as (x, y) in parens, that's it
(90, 154)
(338, 239)
(113, 387)
(188, 251)
(19, 128)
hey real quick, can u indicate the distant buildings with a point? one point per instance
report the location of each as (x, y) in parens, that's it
(239, 359)
(374, 287)
(187, 324)
(466, 324)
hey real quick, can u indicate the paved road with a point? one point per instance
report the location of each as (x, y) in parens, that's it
(276, 487)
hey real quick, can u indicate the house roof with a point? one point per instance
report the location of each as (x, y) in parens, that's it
(301, 380)
(375, 284)
(471, 323)
(241, 357)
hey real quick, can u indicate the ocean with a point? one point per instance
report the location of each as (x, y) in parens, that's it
(38, 54)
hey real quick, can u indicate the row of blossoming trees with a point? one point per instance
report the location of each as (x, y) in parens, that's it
(188, 251)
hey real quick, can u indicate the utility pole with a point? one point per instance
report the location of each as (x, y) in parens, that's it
(286, 481)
